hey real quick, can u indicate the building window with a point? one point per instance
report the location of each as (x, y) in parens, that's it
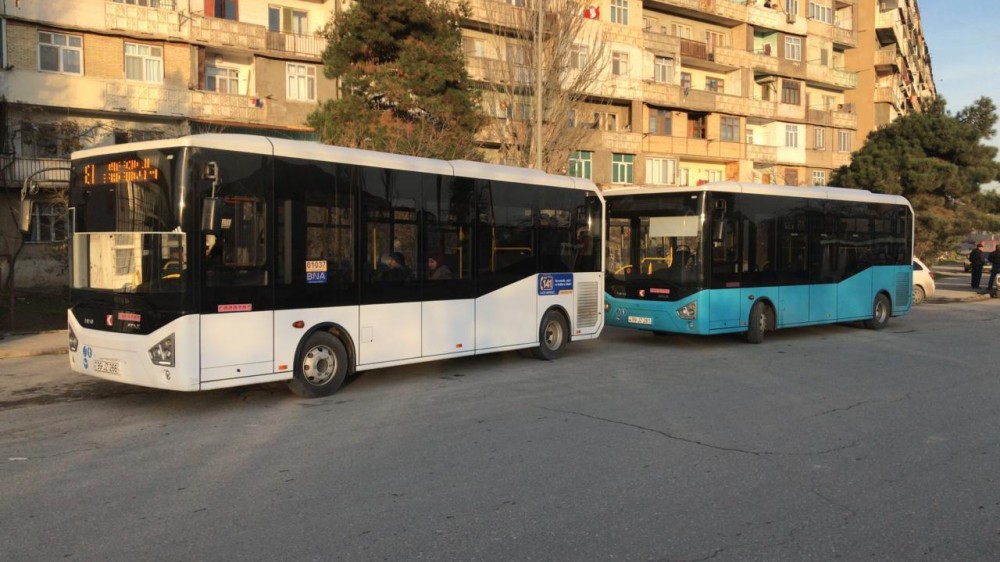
(791, 92)
(146, 3)
(474, 47)
(143, 63)
(819, 177)
(301, 82)
(730, 129)
(227, 9)
(580, 163)
(619, 64)
(820, 12)
(792, 6)
(578, 56)
(660, 121)
(793, 48)
(288, 20)
(792, 136)
(661, 171)
(611, 122)
(716, 85)
(663, 70)
(791, 176)
(686, 82)
(621, 168)
(619, 11)
(571, 118)
(843, 141)
(48, 222)
(697, 126)
(60, 53)
(680, 30)
(222, 80)
(819, 138)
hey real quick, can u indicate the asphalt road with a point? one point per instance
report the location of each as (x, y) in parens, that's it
(820, 444)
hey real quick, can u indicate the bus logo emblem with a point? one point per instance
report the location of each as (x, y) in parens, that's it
(109, 319)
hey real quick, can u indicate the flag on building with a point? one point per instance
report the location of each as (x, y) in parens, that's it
(592, 13)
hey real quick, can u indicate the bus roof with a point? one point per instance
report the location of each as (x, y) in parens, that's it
(836, 193)
(328, 153)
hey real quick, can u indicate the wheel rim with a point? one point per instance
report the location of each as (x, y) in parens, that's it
(880, 311)
(553, 335)
(319, 365)
(918, 295)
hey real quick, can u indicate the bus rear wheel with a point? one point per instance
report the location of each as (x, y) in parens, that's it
(321, 367)
(881, 310)
(760, 322)
(553, 335)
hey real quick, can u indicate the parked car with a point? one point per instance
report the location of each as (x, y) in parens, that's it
(923, 282)
(988, 246)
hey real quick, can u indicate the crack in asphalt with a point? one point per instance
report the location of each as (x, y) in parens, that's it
(703, 443)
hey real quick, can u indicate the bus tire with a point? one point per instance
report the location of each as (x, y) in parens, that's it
(321, 366)
(881, 310)
(759, 323)
(553, 335)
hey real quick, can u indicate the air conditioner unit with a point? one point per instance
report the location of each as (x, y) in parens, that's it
(791, 17)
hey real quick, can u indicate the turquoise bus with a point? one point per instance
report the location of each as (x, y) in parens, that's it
(733, 257)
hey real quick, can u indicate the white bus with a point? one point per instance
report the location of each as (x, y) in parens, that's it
(214, 261)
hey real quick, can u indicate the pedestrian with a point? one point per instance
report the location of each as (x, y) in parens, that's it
(977, 260)
(994, 269)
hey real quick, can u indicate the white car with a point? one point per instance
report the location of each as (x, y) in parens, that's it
(923, 282)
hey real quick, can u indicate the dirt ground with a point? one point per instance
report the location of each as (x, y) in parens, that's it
(33, 312)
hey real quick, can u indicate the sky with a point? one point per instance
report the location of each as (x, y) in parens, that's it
(963, 37)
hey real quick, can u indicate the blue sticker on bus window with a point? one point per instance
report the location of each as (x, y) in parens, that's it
(555, 283)
(315, 277)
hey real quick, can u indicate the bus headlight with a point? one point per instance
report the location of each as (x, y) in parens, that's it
(163, 352)
(688, 311)
(73, 341)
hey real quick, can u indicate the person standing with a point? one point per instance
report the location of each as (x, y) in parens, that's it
(994, 270)
(977, 260)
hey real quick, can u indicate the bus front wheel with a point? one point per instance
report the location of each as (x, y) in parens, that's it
(553, 335)
(881, 311)
(321, 366)
(760, 322)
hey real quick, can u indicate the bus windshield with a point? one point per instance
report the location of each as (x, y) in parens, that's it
(128, 235)
(655, 241)
(130, 262)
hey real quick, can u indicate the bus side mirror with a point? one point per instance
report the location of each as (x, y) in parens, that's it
(211, 214)
(24, 218)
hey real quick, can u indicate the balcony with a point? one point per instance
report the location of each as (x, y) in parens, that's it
(832, 76)
(227, 33)
(290, 43)
(719, 11)
(162, 100)
(15, 169)
(498, 12)
(761, 153)
(886, 59)
(889, 27)
(891, 95)
(660, 43)
(840, 119)
(844, 34)
(165, 21)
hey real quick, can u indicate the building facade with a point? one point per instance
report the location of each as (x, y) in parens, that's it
(82, 73)
(771, 91)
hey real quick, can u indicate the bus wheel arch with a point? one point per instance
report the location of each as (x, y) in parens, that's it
(322, 362)
(881, 311)
(553, 334)
(762, 320)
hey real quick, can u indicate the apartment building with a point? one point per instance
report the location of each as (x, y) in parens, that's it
(706, 90)
(81, 73)
(892, 62)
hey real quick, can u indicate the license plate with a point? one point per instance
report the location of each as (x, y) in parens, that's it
(640, 320)
(108, 366)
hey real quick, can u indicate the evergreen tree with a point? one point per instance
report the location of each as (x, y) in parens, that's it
(938, 162)
(404, 86)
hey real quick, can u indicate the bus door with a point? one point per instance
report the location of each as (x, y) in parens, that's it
(237, 302)
(725, 269)
(390, 312)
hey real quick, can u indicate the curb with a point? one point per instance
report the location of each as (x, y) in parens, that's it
(13, 353)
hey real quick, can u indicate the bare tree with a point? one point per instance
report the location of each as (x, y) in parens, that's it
(573, 64)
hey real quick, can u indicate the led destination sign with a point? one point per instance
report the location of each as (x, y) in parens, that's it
(120, 171)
